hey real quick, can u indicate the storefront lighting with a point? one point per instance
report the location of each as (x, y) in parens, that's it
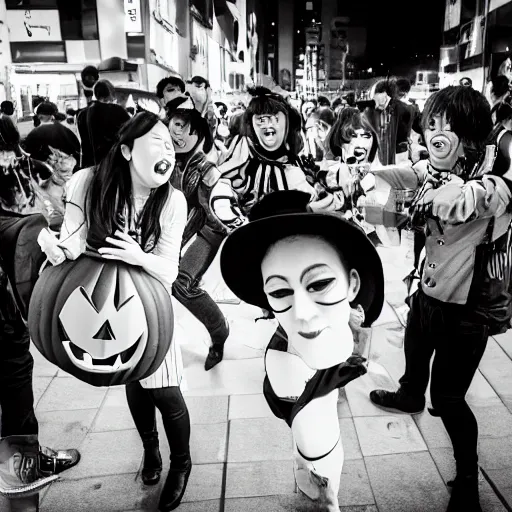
(273, 24)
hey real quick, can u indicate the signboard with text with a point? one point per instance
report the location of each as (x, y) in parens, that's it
(133, 16)
(33, 25)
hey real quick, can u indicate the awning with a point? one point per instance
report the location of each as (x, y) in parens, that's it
(226, 7)
(228, 15)
(234, 10)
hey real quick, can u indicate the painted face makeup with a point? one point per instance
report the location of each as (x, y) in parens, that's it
(152, 157)
(309, 290)
(183, 140)
(444, 146)
(270, 130)
(359, 147)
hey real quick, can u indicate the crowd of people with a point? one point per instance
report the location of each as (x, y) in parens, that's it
(291, 200)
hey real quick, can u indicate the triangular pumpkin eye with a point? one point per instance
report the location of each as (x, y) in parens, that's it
(105, 332)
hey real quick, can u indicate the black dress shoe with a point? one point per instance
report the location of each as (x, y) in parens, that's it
(397, 401)
(174, 488)
(53, 462)
(152, 467)
(215, 355)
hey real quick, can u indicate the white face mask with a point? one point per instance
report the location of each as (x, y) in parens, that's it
(270, 130)
(310, 291)
(359, 146)
(444, 146)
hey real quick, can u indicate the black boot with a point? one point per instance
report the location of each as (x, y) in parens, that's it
(397, 401)
(216, 352)
(175, 485)
(464, 496)
(152, 467)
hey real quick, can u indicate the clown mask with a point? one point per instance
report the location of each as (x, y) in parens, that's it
(309, 290)
(444, 146)
(270, 129)
(179, 128)
(200, 94)
(152, 157)
(170, 92)
(357, 151)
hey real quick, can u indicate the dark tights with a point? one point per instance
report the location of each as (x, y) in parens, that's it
(169, 401)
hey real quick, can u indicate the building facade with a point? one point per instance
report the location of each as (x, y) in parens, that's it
(477, 41)
(46, 44)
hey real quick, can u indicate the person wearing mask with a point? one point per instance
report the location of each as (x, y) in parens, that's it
(50, 134)
(99, 123)
(169, 88)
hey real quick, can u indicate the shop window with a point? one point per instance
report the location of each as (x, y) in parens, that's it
(38, 52)
(78, 20)
(136, 46)
(31, 4)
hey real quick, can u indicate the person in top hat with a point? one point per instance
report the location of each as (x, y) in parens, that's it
(309, 269)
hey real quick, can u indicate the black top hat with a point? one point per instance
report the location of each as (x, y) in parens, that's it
(282, 214)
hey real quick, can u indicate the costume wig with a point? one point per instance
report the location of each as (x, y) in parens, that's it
(348, 121)
(265, 102)
(110, 191)
(467, 111)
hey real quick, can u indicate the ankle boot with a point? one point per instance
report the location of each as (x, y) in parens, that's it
(216, 352)
(152, 467)
(175, 485)
(464, 496)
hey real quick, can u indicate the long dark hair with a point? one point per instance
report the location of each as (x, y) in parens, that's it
(110, 190)
(265, 102)
(349, 120)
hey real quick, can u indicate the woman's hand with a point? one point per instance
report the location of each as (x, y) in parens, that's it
(129, 251)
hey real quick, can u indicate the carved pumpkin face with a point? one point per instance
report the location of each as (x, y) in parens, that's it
(106, 323)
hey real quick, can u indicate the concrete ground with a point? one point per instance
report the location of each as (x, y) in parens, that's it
(242, 454)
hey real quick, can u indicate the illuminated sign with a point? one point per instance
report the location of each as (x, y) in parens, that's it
(133, 16)
(29, 25)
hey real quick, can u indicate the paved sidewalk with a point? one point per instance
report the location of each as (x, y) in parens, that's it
(242, 453)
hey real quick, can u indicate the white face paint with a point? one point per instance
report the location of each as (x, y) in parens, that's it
(170, 92)
(152, 158)
(359, 146)
(444, 146)
(309, 290)
(183, 140)
(270, 130)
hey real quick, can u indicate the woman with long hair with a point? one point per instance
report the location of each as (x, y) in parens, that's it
(126, 209)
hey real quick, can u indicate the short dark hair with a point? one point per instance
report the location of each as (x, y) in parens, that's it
(323, 101)
(104, 90)
(466, 79)
(7, 108)
(403, 87)
(199, 80)
(386, 85)
(172, 80)
(324, 114)
(500, 86)
(467, 111)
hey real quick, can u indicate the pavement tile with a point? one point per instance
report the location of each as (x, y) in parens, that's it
(249, 406)
(259, 439)
(205, 484)
(40, 385)
(265, 478)
(197, 506)
(481, 393)
(68, 393)
(494, 422)
(208, 443)
(495, 454)
(443, 458)
(379, 435)
(355, 488)
(42, 367)
(114, 413)
(387, 348)
(100, 494)
(242, 377)
(407, 482)
(505, 342)
(349, 439)
(207, 409)
(503, 482)
(343, 405)
(108, 453)
(358, 391)
(292, 503)
(64, 429)
(497, 369)
(432, 430)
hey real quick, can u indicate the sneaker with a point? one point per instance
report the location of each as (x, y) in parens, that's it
(397, 401)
